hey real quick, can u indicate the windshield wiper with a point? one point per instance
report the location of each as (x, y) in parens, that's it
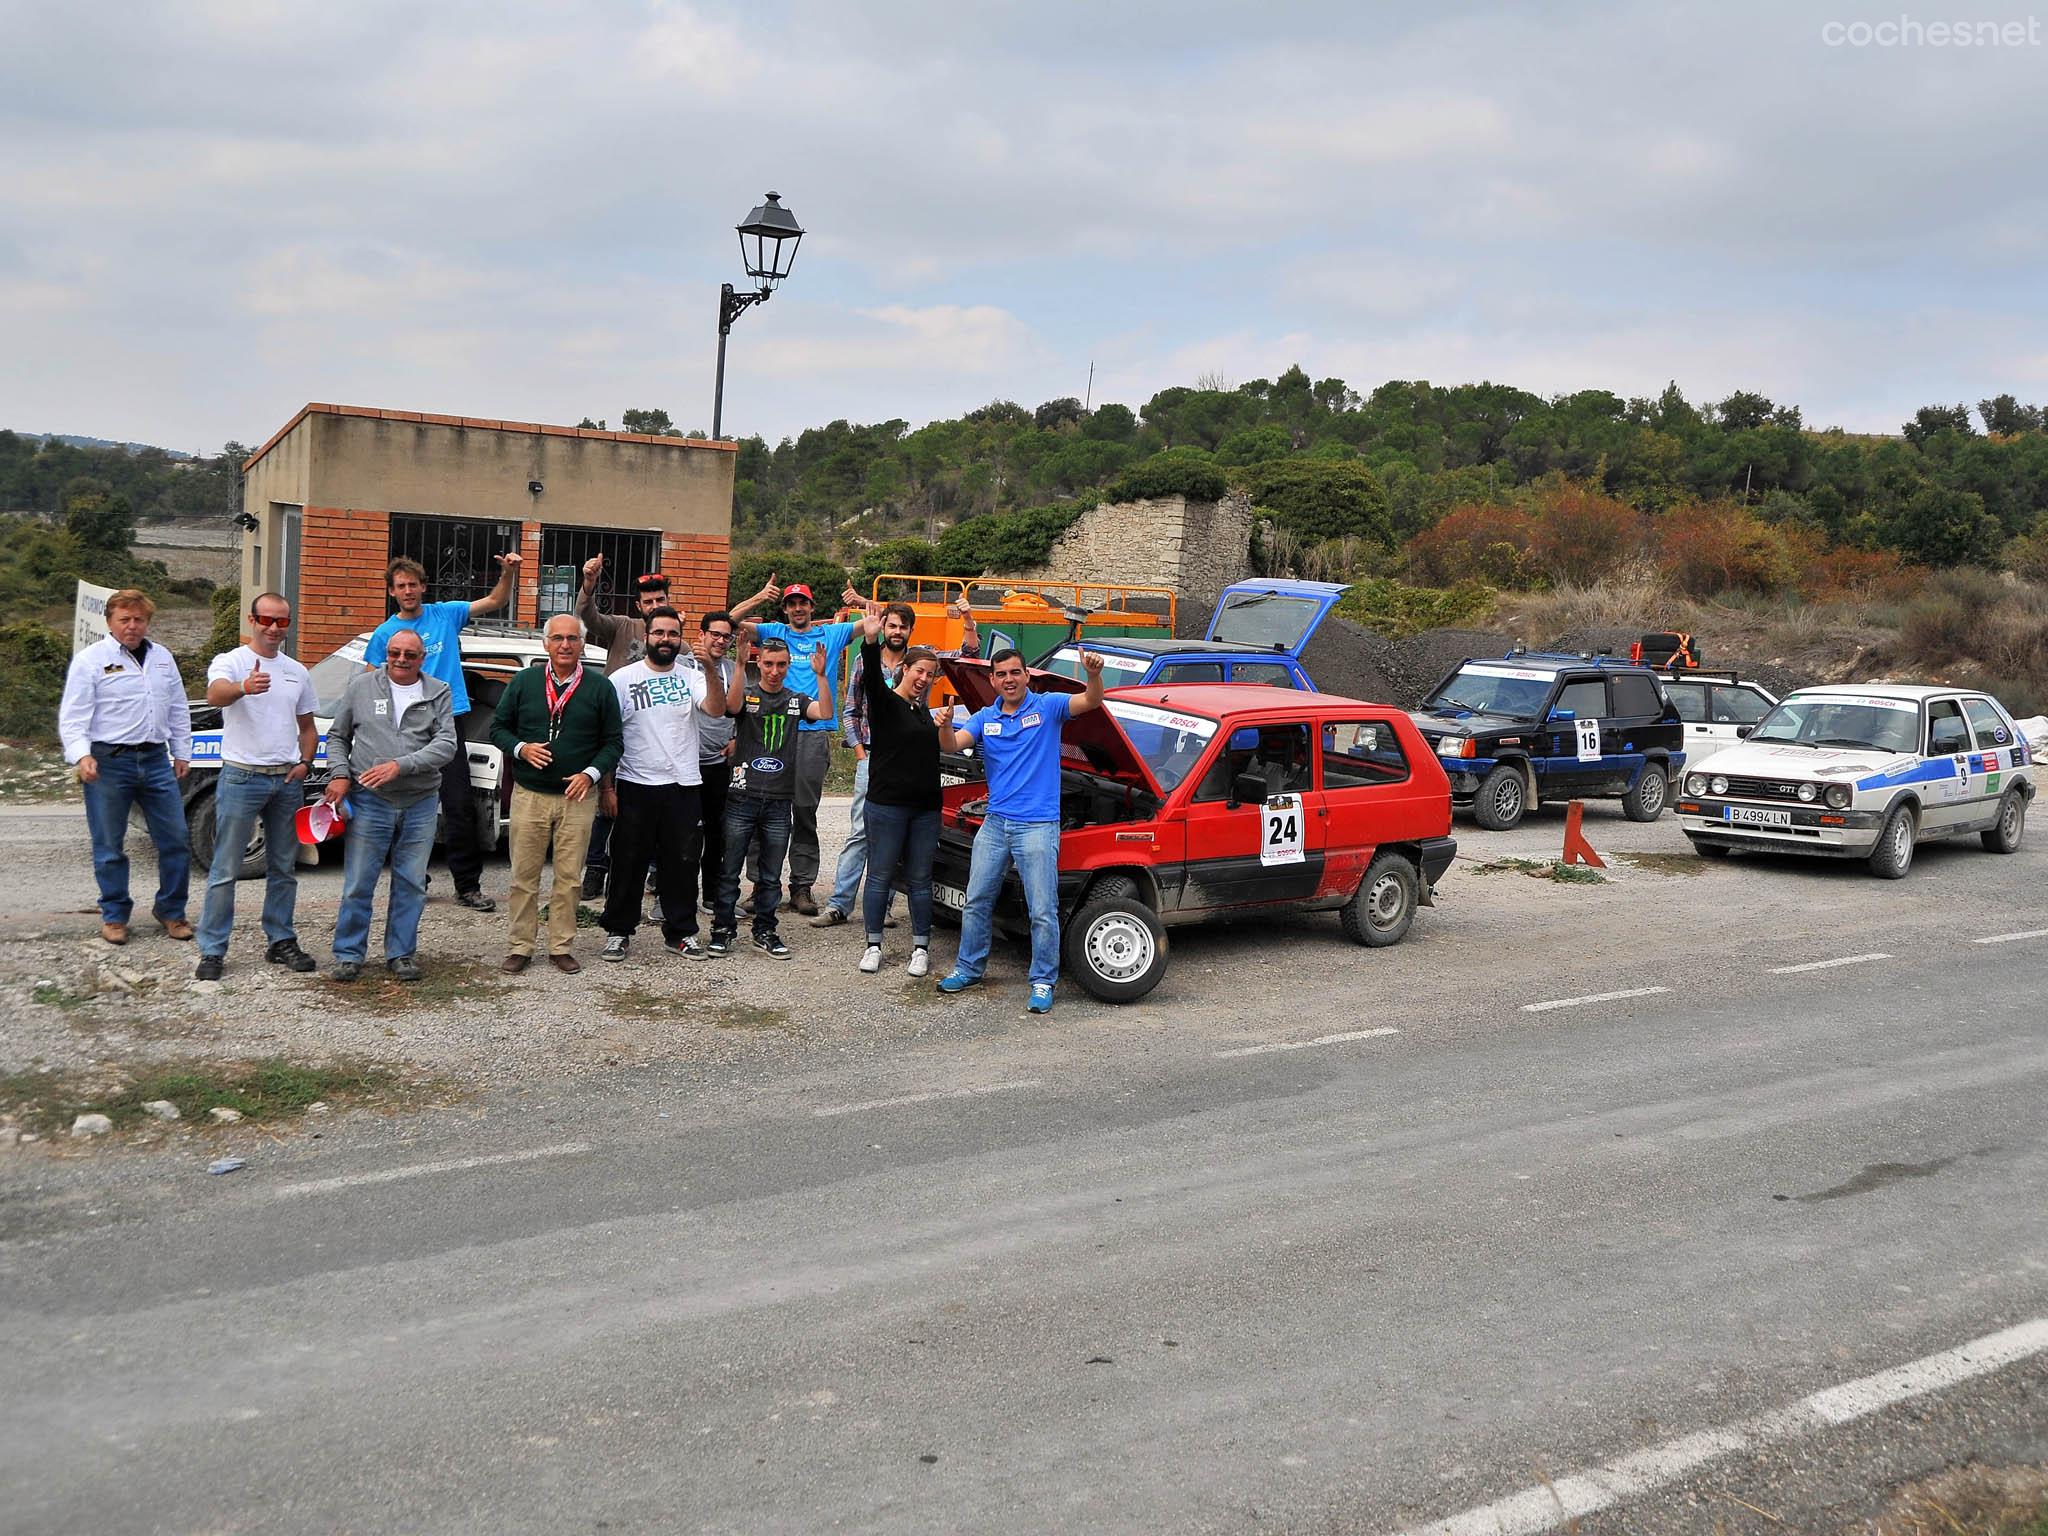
(1448, 701)
(1848, 741)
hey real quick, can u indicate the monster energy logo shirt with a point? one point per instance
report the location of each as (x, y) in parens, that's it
(661, 712)
(768, 725)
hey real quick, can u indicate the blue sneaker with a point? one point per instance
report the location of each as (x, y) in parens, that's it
(958, 983)
(1041, 998)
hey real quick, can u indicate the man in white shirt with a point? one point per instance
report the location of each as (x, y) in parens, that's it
(127, 730)
(652, 794)
(266, 702)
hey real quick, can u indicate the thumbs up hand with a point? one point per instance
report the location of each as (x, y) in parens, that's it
(258, 681)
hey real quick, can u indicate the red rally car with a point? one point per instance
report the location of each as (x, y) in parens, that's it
(1183, 803)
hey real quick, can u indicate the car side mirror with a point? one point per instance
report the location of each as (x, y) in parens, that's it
(1247, 789)
(1744, 730)
(1564, 714)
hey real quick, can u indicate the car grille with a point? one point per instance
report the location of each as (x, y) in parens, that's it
(1762, 789)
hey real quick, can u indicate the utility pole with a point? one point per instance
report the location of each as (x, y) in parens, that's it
(1088, 398)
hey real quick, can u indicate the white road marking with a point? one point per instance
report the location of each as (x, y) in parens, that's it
(1597, 997)
(420, 1170)
(1302, 1045)
(2007, 938)
(1825, 965)
(1583, 1493)
(924, 1098)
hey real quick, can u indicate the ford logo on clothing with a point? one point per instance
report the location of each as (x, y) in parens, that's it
(766, 765)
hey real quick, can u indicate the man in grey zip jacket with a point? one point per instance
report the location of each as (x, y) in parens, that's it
(391, 737)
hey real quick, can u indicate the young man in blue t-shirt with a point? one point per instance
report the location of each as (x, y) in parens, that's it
(439, 626)
(1019, 737)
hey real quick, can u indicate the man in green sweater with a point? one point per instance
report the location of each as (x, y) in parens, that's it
(559, 724)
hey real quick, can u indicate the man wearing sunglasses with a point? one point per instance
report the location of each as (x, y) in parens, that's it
(624, 638)
(390, 739)
(268, 741)
(715, 746)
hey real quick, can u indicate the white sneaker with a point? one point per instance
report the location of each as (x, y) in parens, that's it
(871, 962)
(920, 961)
(615, 947)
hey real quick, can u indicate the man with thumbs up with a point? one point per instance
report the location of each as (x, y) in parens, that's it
(268, 741)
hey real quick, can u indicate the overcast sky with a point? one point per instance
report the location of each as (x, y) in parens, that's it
(214, 211)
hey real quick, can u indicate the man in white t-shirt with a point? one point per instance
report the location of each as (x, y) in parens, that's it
(652, 794)
(268, 741)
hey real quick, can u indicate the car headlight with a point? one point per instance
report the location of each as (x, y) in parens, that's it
(1839, 796)
(1808, 792)
(1719, 785)
(1696, 784)
(1447, 746)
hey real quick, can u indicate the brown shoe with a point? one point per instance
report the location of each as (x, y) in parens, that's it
(568, 965)
(801, 901)
(514, 964)
(114, 933)
(175, 927)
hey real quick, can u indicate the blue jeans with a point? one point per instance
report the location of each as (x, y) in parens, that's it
(381, 833)
(901, 844)
(745, 815)
(853, 858)
(1033, 847)
(239, 799)
(145, 779)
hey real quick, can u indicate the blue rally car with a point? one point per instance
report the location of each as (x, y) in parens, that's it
(1256, 636)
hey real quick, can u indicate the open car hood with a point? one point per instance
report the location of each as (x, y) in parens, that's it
(1093, 741)
(1275, 616)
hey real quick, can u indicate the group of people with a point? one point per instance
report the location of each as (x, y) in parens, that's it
(676, 761)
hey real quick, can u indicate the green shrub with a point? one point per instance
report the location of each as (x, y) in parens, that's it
(1317, 499)
(1394, 609)
(748, 573)
(1004, 541)
(1185, 472)
(33, 659)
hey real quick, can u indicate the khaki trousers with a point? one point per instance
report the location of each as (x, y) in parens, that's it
(537, 821)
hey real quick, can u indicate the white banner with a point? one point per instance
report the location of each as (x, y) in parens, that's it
(89, 616)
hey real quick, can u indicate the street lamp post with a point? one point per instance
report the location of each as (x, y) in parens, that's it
(768, 242)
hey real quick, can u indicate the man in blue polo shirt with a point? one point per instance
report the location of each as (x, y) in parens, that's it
(814, 737)
(1019, 737)
(439, 626)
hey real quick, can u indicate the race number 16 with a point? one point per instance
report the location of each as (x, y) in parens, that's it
(1280, 839)
(1589, 740)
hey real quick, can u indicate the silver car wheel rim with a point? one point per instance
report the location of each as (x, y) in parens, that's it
(1386, 902)
(1902, 838)
(1653, 792)
(1118, 947)
(1507, 800)
(2009, 824)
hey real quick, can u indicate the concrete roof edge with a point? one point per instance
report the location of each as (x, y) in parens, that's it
(481, 424)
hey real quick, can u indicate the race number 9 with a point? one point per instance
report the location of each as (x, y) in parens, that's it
(1589, 740)
(1280, 835)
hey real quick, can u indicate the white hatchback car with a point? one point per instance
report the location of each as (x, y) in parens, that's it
(1865, 772)
(1715, 706)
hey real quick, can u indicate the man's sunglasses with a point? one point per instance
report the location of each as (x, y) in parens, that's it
(406, 655)
(268, 622)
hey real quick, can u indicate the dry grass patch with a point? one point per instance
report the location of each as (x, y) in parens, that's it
(1968, 1501)
(443, 984)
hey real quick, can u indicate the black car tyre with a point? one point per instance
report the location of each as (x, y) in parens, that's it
(1502, 799)
(1708, 850)
(1893, 855)
(1382, 908)
(1645, 802)
(1116, 947)
(2004, 837)
(199, 819)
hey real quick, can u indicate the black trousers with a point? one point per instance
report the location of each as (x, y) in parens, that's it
(717, 785)
(458, 818)
(657, 824)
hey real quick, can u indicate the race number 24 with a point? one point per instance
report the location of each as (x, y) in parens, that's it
(1280, 838)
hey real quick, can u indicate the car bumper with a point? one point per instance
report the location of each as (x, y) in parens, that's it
(1437, 854)
(1812, 829)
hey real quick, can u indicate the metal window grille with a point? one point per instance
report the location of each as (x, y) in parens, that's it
(627, 557)
(456, 553)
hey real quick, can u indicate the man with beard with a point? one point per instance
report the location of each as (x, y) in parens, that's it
(653, 793)
(439, 626)
(898, 619)
(624, 638)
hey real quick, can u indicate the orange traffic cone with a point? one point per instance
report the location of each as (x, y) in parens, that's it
(1576, 849)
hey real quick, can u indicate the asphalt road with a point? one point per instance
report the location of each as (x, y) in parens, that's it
(1316, 1242)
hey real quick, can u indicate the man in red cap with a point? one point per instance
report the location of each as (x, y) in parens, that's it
(814, 739)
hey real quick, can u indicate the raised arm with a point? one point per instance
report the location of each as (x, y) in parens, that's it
(501, 594)
(1092, 699)
(601, 627)
(761, 599)
(821, 707)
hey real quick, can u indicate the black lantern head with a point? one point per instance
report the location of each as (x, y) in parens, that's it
(768, 242)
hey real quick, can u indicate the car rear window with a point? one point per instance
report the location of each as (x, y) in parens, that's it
(1635, 697)
(1690, 700)
(1362, 753)
(1984, 722)
(1271, 673)
(1190, 672)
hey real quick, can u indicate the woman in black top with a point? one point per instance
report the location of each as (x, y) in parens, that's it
(903, 794)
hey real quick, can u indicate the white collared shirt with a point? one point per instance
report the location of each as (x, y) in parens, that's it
(109, 697)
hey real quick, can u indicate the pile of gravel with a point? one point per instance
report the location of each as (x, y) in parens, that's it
(1347, 658)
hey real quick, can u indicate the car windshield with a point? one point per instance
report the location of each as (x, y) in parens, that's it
(1117, 671)
(330, 677)
(1881, 725)
(1170, 741)
(1264, 621)
(1494, 690)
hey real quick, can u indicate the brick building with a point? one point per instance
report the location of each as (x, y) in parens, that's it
(341, 489)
